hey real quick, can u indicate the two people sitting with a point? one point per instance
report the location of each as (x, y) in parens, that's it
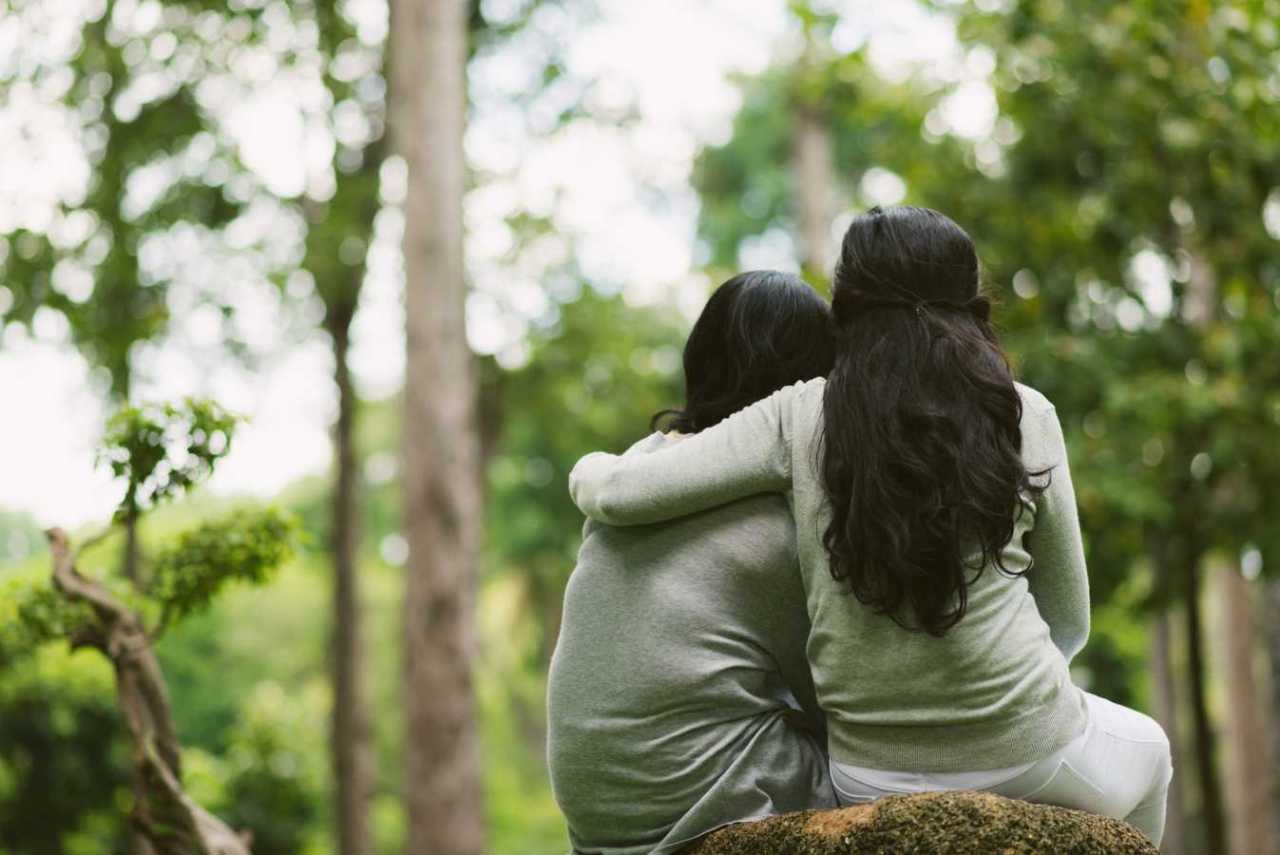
(851, 567)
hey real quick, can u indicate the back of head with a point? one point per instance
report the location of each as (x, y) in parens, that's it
(921, 440)
(760, 331)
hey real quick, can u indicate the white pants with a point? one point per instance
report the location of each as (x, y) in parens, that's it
(1119, 767)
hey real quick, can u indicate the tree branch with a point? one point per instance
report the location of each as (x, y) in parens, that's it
(163, 812)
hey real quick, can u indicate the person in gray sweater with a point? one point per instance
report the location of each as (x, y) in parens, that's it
(679, 696)
(938, 537)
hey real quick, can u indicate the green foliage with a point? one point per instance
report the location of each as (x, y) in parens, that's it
(62, 773)
(232, 642)
(32, 613)
(247, 546)
(162, 450)
(20, 537)
(274, 770)
(812, 19)
(522, 816)
(219, 677)
(97, 233)
(1143, 132)
(746, 185)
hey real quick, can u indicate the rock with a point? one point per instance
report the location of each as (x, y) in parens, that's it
(948, 823)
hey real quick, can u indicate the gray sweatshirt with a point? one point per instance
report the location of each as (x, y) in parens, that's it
(995, 692)
(679, 698)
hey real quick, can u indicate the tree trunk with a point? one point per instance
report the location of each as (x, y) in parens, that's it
(139, 843)
(1210, 797)
(132, 549)
(1165, 700)
(163, 815)
(1199, 304)
(1272, 624)
(350, 735)
(441, 471)
(812, 174)
(1248, 765)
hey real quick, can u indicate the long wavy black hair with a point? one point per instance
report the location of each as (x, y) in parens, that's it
(760, 331)
(921, 452)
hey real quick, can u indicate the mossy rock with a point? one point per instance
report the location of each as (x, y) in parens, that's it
(950, 823)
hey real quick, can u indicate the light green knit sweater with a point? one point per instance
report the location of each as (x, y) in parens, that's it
(994, 692)
(679, 697)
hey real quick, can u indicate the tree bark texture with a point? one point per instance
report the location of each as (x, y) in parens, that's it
(812, 174)
(440, 444)
(1165, 701)
(1271, 622)
(163, 814)
(1250, 771)
(132, 550)
(1271, 629)
(350, 734)
(1199, 308)
(1205, 740)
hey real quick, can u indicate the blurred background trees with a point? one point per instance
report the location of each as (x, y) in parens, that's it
(1115, 162)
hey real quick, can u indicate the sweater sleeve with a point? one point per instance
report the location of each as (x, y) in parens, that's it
(747, 453)
(1058, 577)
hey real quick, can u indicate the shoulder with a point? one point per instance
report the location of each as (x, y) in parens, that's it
(818, 383)
(1033, 401)
(1043, 444)
(809, 388)
(802, 400)
(800, 396)
(799, 391)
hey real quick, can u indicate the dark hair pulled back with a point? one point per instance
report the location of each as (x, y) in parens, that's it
(921, 452)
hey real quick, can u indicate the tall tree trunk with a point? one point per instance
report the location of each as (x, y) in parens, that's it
(812, 176)
(1199, 308)
(350, 730)
(1249, 768)
(1165, 698)
(139, 844)
(132, 549)
(441, 455)
(1210, 796)
(1271, 622)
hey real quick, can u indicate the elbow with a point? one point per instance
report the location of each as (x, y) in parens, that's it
(592, 486)
(597, 505)
(1074, 641)
(1083, 637)
(608, 505)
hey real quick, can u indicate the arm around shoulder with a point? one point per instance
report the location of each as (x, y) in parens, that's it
(746, 454)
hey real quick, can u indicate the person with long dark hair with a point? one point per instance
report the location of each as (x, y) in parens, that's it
(938, 537)
(679, 698)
